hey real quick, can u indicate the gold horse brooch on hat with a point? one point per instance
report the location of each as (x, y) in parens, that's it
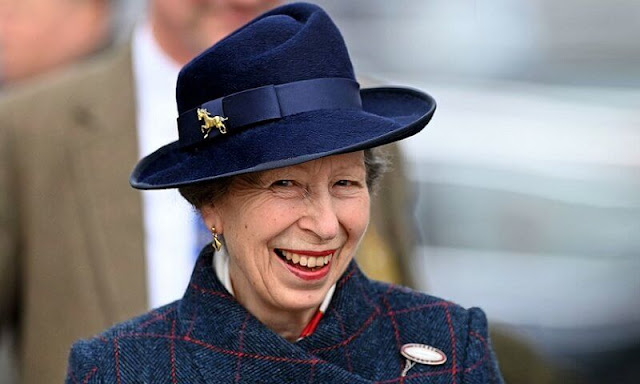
(211, 122)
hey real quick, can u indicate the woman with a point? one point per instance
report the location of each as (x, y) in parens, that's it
(275, 151)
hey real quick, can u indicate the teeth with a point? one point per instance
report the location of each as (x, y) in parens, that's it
(306, 261)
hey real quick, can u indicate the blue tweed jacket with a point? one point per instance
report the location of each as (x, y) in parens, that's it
(207, 337)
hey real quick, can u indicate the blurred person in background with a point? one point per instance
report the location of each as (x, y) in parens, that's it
(40, 36)
(70, 263)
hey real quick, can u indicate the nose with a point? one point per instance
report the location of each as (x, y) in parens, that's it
(320, 217)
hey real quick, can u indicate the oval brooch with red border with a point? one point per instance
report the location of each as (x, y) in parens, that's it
(423, 354)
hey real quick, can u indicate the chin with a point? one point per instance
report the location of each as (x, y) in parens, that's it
(299, 300)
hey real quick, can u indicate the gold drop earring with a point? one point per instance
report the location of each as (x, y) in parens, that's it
(216, 244)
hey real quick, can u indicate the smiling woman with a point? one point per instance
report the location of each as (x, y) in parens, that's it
(277, 152)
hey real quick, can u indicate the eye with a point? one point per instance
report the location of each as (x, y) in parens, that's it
(352, 186)
(287, 189)
(349, 184)
(345, 183)
(282, 184)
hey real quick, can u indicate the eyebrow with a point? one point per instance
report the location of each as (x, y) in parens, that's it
(291, 170)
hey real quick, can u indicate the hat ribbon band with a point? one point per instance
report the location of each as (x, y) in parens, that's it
(233, 113)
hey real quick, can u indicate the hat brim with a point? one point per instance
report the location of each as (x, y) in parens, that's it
(388, 114)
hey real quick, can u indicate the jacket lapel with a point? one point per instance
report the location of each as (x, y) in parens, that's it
(103, 152)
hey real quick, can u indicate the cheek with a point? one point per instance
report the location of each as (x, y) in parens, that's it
(253, 222)
(356, 217)
(279, 216)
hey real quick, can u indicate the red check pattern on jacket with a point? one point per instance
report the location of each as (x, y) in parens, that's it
(207, 337)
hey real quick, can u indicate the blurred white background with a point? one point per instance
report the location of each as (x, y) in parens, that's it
(528, 177)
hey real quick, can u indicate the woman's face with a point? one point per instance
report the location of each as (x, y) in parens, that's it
(291, 234)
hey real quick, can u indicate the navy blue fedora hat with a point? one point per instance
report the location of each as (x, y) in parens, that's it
(277, 92)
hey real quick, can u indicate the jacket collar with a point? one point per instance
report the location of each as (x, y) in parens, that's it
(210, 317)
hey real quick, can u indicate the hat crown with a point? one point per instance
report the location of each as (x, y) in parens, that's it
(290, 43)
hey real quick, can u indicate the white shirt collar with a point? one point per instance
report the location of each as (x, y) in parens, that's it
(155, 77)
(221, 266)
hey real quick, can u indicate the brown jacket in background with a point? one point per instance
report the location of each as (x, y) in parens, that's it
(71, 237)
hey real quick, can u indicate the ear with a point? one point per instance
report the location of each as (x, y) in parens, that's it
(211, 217)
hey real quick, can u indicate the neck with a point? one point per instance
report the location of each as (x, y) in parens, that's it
(286, 324)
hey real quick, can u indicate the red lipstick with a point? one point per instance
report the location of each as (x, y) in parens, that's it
(302, 272)
(311, 253)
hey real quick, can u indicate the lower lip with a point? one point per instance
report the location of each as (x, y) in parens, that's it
(307, 275)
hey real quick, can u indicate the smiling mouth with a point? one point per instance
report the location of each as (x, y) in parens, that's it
(305, 262)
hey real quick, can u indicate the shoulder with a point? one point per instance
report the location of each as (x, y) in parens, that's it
(97, 358)
(399, 301)
(75, 82)
(406, 300)
(461, 333)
